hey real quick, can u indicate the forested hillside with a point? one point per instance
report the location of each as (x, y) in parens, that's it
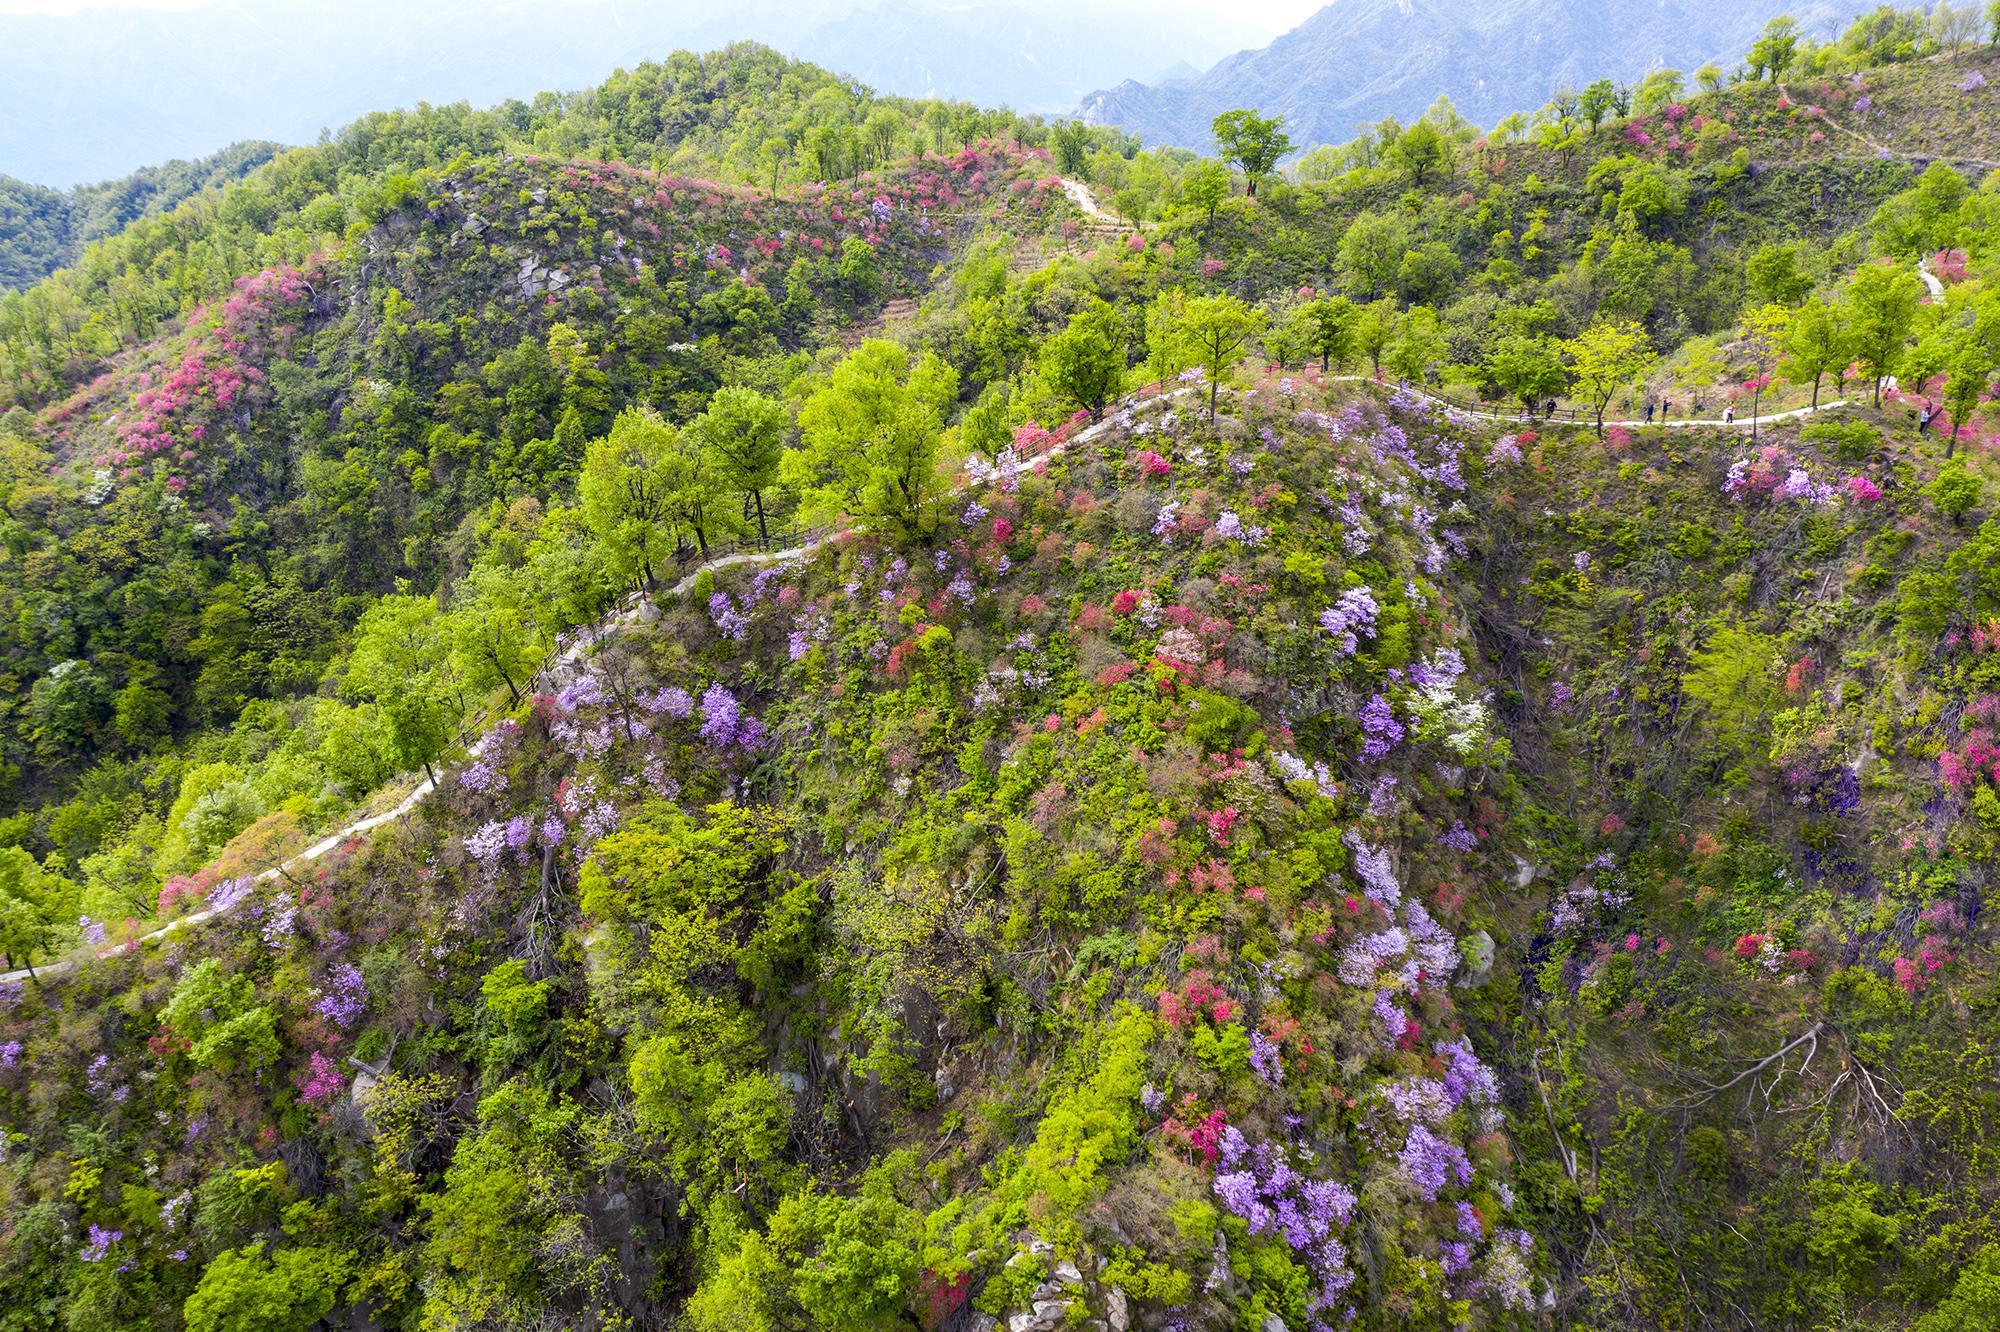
(42, 229)
(981, 726)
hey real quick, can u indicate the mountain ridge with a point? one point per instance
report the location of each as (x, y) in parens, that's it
(1358, 61)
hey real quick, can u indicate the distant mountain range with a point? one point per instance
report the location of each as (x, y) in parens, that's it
(1358, 61)
(99, 93)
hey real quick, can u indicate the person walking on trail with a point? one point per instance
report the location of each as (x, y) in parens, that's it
(1649, 411)
(1666, 409)
(1729, 415)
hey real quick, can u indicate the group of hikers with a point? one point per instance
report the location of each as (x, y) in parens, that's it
(1546, 410)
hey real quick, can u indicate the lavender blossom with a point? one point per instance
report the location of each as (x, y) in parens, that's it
(1349, 618)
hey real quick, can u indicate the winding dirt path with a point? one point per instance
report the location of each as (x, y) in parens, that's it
(566, 658)
(633, 612)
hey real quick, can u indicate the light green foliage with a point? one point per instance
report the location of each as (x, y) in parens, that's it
(985, 430)
(247, 1290)
(1816, 344)
(402, 662)
(38, 909)
(1328, 329)
(1253, 142)
(1774, 274)
(1881, 309)
(745, 432)
(1085, 363)
(1924, 218)
(494, 638)
(1204, 188)
(503, 1234)
(219, 1015)
(1371, 252)
(1773, 52)
(637, 488)
(516, 1007)
(1527, 367)
(1954, 490)
(824, 1261)
(1214, 332)
(1974, 1302)
(871, 434)
(1735, 677)
(1422, 151)
(1606, 359)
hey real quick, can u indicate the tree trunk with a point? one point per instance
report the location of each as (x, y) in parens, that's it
(763, 533)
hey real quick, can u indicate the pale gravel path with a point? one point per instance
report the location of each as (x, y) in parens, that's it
(572, 653)
(621, 620)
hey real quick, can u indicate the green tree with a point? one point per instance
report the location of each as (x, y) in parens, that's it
(1880, 309)
(1816, 345)
(1774, 274)
(1974, 1302)
(1252, 142)
(219, 1015)
(629, 489)
(1374, 330)
(1419, 346)
(1924, 218)
(401, 659)
(773, 157)
(1071, 139)
(1773, 52)
(493, 639)
(1597, 101)
(1166, 357)
(1329, 323)
(827, 1260)
(247, 1290)
(1528, 367)
(38, 908)
(1971, 379)
(1203, 189)
(871, 435)
(1422, 151)
(1954, 490)
(745, 432)
(1605, 358)
(1216, 330)
(1427, 272)
(1085, 363)
(1657, 91)
(1371, 252)
(985, 429)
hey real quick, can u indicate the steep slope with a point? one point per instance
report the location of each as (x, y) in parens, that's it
(1234, 871)
(865, 845)
(1358, 61)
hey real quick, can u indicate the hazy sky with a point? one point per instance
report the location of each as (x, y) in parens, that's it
(1275, 14)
